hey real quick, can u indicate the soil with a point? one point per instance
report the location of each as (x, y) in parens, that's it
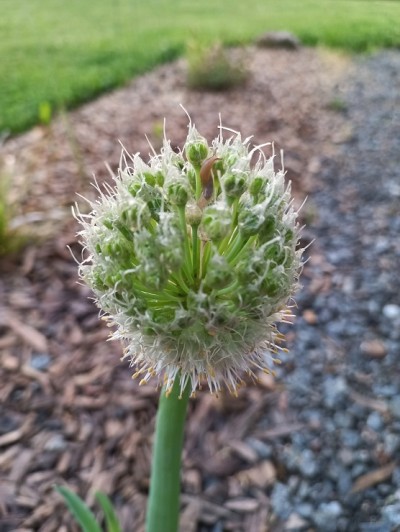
(70, 412)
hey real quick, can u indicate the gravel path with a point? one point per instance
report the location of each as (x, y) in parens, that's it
(314, 450)
(342, 472)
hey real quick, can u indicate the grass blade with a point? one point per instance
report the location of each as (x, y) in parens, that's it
(79, 510)
(109, 512)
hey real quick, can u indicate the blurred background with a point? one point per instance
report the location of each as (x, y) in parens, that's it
(317, 447)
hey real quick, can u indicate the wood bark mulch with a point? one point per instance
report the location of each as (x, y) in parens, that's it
(70, 413)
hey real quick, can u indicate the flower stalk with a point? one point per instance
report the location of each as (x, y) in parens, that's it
(194, 257)
(163, 503)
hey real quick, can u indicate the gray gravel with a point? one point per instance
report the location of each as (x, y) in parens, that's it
(352, 353)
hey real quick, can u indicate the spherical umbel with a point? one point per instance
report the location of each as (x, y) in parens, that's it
(194, 257)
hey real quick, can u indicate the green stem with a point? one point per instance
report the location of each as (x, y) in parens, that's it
(166, 297)
(173, 287)
(178, 278)
(234, 247)
(196, 251)
(228, 289)
(227, 241)
(205, 257)
(245, 246)
(199, 188)
(163, 504)
(235, 206)
(187, 266)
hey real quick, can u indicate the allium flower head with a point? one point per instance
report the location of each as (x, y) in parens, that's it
(194, 256)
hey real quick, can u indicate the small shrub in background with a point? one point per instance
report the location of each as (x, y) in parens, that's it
(338, 105)
(45, 113)
(11, 239)
(214, 68)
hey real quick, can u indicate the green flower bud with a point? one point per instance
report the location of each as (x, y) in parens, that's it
(169, 241)
(160, 179)
(235, 184)
(216, 222)
(267, 229)
(219, 273)
(98, 279)
(136, 214)
(197, 152)
(134, 188)
(107, 223)
(150, 178)
(178, 193)
(289, 235)
(193, 214)
(219, 167)
(250, 220)
(256, 186)
(273, 283)
(276, 253)
(162, 317)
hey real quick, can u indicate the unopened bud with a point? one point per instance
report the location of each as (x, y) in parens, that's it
(197, 152)
(216, 222)
(235, 184)
(178, 193)
(193, 214)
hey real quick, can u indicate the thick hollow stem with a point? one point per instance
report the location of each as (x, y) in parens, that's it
(163, 505)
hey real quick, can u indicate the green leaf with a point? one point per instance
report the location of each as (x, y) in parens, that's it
(79, 510)
(109, 512)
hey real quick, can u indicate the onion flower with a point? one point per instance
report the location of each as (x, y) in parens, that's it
(194, 256)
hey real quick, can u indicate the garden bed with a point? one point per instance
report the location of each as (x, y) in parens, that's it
(71, 414)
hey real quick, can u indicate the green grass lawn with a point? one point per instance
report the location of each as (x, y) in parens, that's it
(56, 54)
